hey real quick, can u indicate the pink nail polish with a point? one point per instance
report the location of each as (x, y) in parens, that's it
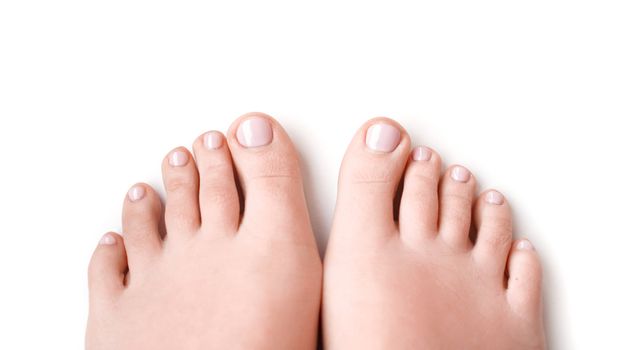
(107, 239)
(178, 158)
(254, 132)
(494, 197)
(460, 174)
(422, 154)
(524, 244)
(212, 140)
(136, 192)
(382, 137)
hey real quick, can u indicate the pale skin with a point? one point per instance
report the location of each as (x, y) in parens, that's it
(200, 273)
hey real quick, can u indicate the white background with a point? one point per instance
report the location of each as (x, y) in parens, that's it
(527, 94)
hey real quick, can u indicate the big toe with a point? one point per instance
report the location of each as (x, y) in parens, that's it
(370, 174)
(267, 166)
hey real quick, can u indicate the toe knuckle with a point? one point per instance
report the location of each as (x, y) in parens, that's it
(497, 235)
(369, 174)
(219, 193)
(177, 183)
(276, 165)
(216, 167)
(459, 199)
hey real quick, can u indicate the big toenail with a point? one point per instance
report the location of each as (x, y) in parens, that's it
(107, 239)
(460, 174)
(494, 197)
(524, 245)
(422, 153)
(254, 132)
(212, 140)
(135, 193)
(178, 158)
(382, 137)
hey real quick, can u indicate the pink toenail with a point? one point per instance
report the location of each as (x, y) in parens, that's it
(212, 140)
(254, 132)
(178, 158)
(382, 137)
(460, 174)
(494, 197)
(422, 153)
(135, 193)
(107, 239)
(524, 245)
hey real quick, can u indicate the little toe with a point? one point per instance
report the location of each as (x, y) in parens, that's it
(456, 201)
(181, 181)
(493, 221)
(267, 166)
(107, 268)
(142, 211)
(218, 195)
(524, 279)
(419, 204)
(370, 173)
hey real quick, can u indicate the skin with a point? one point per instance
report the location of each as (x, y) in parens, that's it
(398, 274)
(419, 282)
(218, 279)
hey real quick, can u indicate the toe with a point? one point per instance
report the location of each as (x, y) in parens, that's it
(107, 268)
(181, 181)
(456, 200)
(524, 279)
(218, 195)
(268, 170)
(141, 218)
(493, 221)
(370, 173)
(419, 203)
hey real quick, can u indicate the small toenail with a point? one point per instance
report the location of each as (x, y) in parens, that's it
(494, 197)
(422, 153)
(460, 174)
(107, 239)
(382, 137)
(254, 132)
(212, 140)
(524, 245)
(135, 193)
(178, 158)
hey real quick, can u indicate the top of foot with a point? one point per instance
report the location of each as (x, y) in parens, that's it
(420, 282)
(212, 276)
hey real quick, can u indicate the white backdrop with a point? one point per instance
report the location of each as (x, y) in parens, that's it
(526, 94)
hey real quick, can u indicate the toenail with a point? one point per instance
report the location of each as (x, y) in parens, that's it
(382, 137)
(460, 174)
(178, 158)
(494, 197)
(422, 153)
(524, 245)
(254, 132)
(107, 239)
(212, 140)
(135, 193)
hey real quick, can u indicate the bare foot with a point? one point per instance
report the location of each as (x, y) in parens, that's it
(419, 282)
(218, 279)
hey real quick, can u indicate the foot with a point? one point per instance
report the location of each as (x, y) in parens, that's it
(405, 274)
(218, 278)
